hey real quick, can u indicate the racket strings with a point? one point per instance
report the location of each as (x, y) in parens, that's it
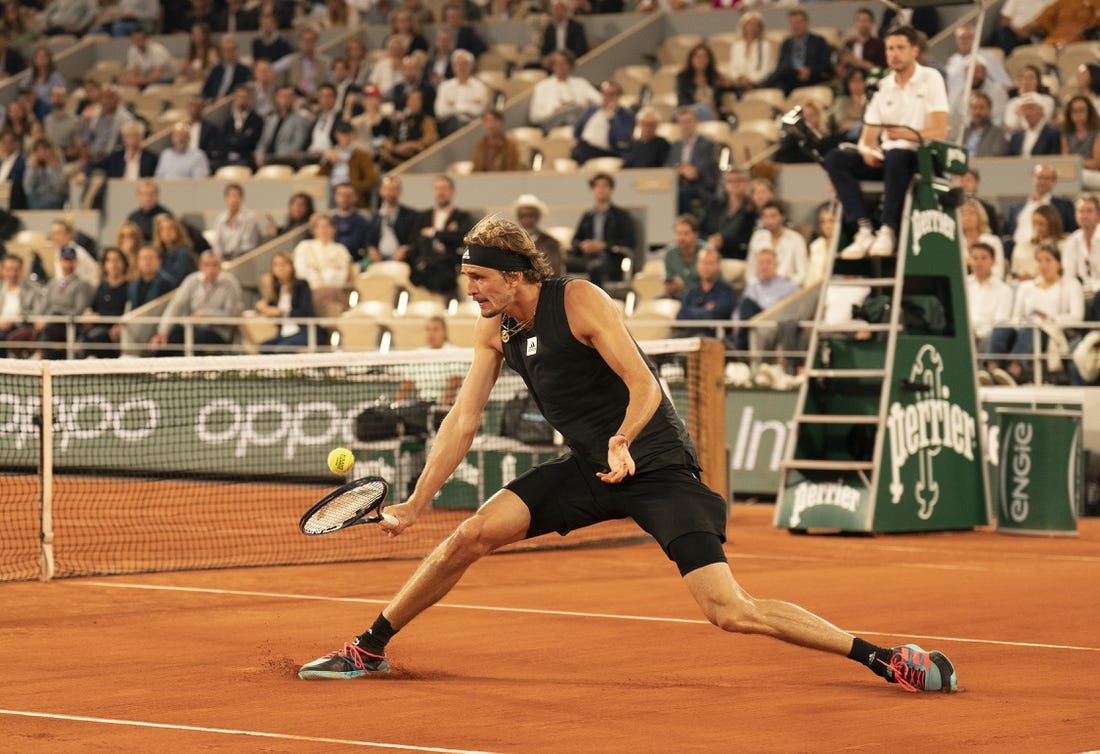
(345, 507)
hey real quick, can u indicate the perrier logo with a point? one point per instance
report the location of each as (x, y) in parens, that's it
(923, 429)
(925, 221)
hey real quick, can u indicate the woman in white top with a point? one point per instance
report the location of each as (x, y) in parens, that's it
(974, 226)
(752, 57)
(1050, 298)
(819, 247)
(1029, 81)
(323, 263)
(1046, 230)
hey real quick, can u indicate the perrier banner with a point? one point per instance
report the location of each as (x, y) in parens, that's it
(927, 471)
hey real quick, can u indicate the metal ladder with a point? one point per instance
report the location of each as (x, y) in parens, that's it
(818, 366)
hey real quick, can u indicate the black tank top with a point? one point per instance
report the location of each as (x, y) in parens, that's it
(582, 397)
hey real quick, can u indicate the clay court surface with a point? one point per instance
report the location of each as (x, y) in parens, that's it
(590, 650)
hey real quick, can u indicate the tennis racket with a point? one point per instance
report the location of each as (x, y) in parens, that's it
(358, 502)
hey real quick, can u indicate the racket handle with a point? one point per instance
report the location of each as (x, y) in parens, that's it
(390, 519)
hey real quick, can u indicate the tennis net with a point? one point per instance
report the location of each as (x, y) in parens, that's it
(130, 465)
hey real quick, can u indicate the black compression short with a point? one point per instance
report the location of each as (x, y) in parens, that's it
(564, 494)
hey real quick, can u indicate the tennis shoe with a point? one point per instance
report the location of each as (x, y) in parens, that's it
(916, 670)
(860, 245)
(350, 661)
(884, 243)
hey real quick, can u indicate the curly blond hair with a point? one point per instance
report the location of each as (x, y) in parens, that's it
(500, 233)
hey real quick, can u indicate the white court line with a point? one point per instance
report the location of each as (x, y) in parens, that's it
(560, 613)
(233, 732)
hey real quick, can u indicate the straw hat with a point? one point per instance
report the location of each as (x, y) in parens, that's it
(530, 200)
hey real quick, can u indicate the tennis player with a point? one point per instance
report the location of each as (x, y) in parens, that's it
(629, 456)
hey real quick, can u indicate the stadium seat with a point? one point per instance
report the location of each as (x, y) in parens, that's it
(274, 173)
(632, 78)
(654, 309)
(233, 173)
(361, 328)
(564, 165)
(609, 165)
(715, 130)
(562, 233)
(674, 50)
(1042, 56)
(733, 272)
(308, 171)
(769, 129)
(774, 97)
(662, 83)
(821, 94)
(745, 145)
(461, 167)
(670, 131)
(648, 285)
(748, 109)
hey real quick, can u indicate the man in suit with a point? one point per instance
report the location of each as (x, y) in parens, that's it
(695, 159)
(309, 69)
(201, 133)
(13, 166)
(390, 232)
(805, 58)
(436, 249)
(130, 161)
(226, 75)
(1017, 225)
(464, 37)
(982, 137)
(320, 135)
(240, 133)
(286, 132)
(562, 33)
(1037, 137)
(604, 236)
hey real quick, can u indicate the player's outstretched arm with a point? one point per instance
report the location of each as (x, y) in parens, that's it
(595, 320)
(456, 433)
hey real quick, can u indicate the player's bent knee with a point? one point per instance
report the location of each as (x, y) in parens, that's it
(695, 550)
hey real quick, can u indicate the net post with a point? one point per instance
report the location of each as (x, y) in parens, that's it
(707, 412)
(45, 455)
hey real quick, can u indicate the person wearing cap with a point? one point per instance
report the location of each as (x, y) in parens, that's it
(67, 294)
(529, 211)
(63, 236)
(181, 160)
(286, 132)
(495, 151)
(1037, 137)
(348, 163)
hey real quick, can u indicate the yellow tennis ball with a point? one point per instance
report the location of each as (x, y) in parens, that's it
(340, 461)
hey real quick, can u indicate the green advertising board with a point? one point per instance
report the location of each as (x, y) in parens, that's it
(1037, 497)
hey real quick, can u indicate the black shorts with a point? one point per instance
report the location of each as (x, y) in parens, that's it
(564, 494)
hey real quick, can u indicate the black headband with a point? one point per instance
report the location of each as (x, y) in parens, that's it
(496, 259)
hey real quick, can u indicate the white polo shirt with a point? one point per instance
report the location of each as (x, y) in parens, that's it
(909, 105)
(790, 253)
(990, 303)
(1083, 260)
